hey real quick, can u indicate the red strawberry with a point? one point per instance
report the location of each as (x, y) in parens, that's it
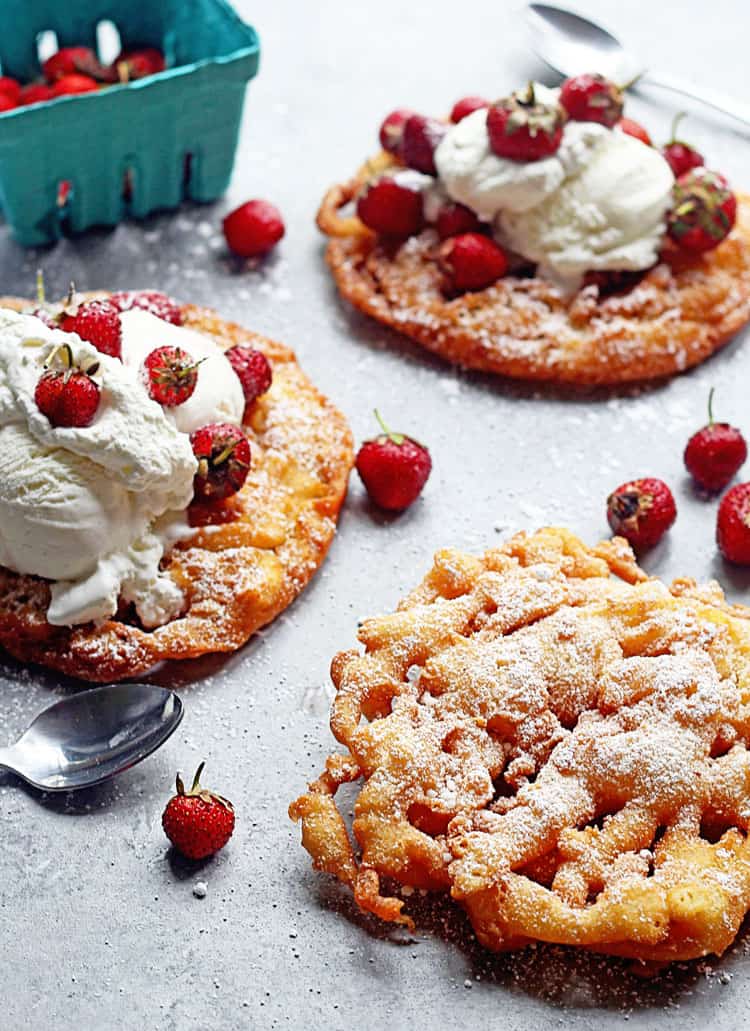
(641, 511)
(635, 129)
(158, 304)
(136, 64)
(36, 93)
(454, 219)
(223, 454)
(733, 525)
(472, 261)
(253, 229)
(419, 142)
(71, 84)
(467, 106)
(7, 103)
(170, 375)
(703, 210)
(10, 88)
(99, 323)
(67, 394)
(715, 453)
(522, 129)
(66, 61)
(680, 156)
(392, 129)
(393, 468)
(392, 206)
(253, 371)
(197, 822)
(592, 98)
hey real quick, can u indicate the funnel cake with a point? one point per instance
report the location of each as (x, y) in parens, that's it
(667, 320)
(557, 740)
(248, 558)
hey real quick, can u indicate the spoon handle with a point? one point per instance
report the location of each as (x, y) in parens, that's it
(714, 98)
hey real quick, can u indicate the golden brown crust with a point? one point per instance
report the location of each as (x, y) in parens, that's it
(238, 574)
(675, 317)
(556, 739)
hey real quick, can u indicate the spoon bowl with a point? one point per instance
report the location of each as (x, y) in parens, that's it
(88, 737)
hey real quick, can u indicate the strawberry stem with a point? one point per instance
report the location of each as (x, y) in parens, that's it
(397, 438)
(196, 779)
(675, 122)
(711, 406)
(40, 286)
(180, 787)
(631, 82)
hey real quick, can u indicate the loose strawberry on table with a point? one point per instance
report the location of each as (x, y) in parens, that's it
(703, 211)
(223, 454)
(592, 98)
(394, 468)
(198, 822)
(641, 511)
(522, 128)
(733, 525)
(253, 229)
(715, 453)
(99, 323)
(392, 206)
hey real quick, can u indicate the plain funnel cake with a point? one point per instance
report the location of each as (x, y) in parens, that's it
(108, 564)
(555, 739)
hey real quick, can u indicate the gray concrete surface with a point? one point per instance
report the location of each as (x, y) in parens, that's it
(99, 928)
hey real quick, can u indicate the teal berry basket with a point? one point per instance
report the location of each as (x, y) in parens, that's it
(171, 136)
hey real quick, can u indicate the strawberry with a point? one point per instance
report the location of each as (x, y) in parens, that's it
(733, 525)
(419, 142)
(66, 393)
(641, 511)
(632, 128)
(680, 157)
(715, 453)
(99, 323)
(391, 205)
(197, 822)
(253, 371)
(136, 64)
(392, 130)
(253, 229)
(158, 304)
(170, 376)
(36, 93)
(522, 129)
(7, 103)
(703, 210)
(472, 261)
(66, 61)
(10, 88)
(394, 468)
(592, 98)
(68, 85)
(454, 219)
(467, 106)
(223, 454)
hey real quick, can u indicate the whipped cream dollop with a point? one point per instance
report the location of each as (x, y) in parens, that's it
(598, 202)
(94, 508)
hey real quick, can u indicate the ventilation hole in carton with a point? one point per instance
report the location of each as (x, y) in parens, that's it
(46, 45)
(128, 185)
(187, 172)
(108, 44)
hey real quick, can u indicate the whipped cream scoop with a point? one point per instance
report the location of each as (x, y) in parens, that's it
(94, 508)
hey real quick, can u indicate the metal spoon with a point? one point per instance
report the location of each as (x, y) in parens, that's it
(91, 736)
(570, 43)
